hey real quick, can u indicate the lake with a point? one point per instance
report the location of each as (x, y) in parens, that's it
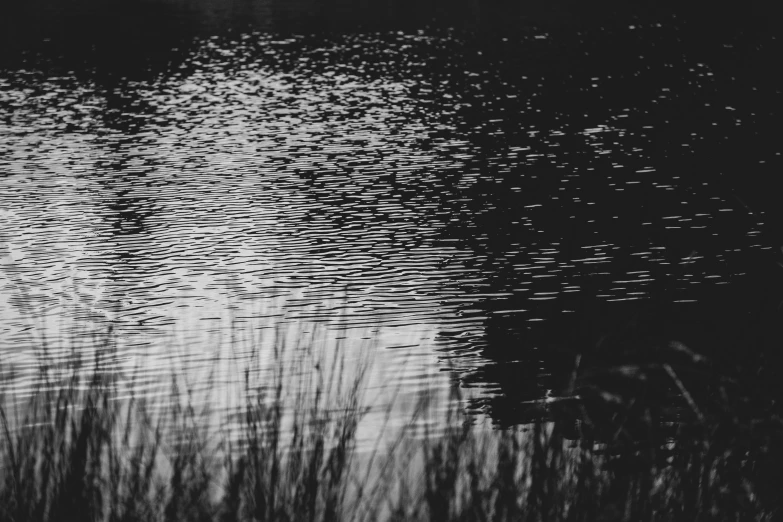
(472, 194)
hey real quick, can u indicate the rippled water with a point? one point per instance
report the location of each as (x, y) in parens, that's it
(441, 200)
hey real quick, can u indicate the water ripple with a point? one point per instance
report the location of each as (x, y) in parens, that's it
(392, 181)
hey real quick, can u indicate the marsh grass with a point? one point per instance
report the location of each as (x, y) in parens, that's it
(632, 442)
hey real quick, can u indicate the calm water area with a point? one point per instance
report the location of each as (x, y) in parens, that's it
(459, 194)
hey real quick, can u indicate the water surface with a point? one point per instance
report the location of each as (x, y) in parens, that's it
(451, 200)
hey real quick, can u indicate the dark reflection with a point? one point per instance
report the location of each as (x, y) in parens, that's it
(127, 213)
(610, 122)
(105, 41)
(124, 167)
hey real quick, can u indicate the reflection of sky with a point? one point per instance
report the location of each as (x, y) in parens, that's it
(203, 219)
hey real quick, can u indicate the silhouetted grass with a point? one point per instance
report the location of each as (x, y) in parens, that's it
(635, 441)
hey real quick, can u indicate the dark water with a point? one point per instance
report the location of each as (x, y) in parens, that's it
(488, 190)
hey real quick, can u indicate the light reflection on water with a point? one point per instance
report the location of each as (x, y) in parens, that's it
(266, 182)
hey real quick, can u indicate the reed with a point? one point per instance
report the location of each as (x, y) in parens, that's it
(82, 448)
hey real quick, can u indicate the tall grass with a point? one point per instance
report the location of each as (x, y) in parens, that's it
(632, 442)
